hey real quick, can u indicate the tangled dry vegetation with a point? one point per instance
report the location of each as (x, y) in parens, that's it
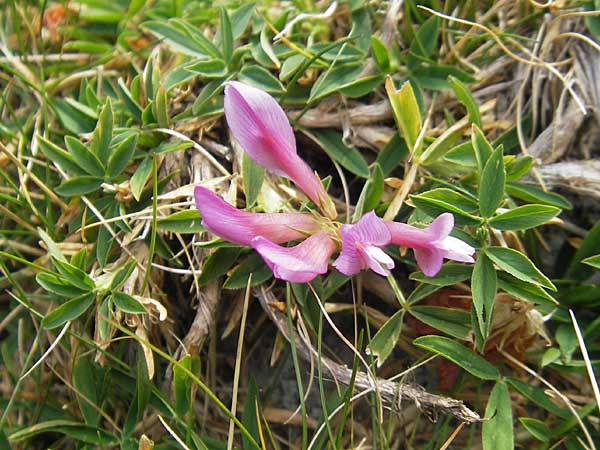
(150, 352)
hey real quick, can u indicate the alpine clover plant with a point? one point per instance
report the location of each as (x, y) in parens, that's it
(260, 125)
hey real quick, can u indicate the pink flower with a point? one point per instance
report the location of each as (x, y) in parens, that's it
(361, 247)
(432, 244)
(263, 130)
(299, 264)
(240, 227)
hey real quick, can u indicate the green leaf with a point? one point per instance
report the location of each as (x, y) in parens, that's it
(84, 157)
(104, 243)
(290, 66)
(518, 265)
(453, 322)
(425, 41)
(497, 430)
(348, 157)
(160, 107)
(208, 92)
(103, 133)
(466, 98)
(58, 285)
(131, 104)
(250, 415)
(593, 261)
(442, 144)
(254, 265)
(121, 156)
(182, 385)
(406, 112)
(525, 291)
(483, 149)
(225, 34)
(483, 287)
(57, 155)
(448, 275)
(491, 184)
(218, 263)
(140, 177)
(240, 19)
(460, 355)
(336, 78)
(538, 396)
(127, 303)
(182, 37)
(536, 428)
(441, 200)
(76, 430)
(535, 195)
(261, 78)
(85, 382)
(370, 194)
(384, 341)
(79, 186)
(209, 68)
(392, 153)
(267, 48)
(524, 217)
(590, 246)
(68, 311)
(183, 222)
(362, 86)
(518, 166)
(74, 275)
(252, 177)
(380, 54)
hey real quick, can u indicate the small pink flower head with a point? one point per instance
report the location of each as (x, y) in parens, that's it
(261, 127)
(361, 247)
(299, 264)
(240, 227)
(432, 244)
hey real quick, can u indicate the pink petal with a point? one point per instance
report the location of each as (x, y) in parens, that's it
(241, 227)
(261, 127)
(441, 226)
(456, 250)
(298, 264)
(432, 244)
(429, 260)
(377, 260)
(350, 261)
(406, 235)
(372, 230)
(361, 244)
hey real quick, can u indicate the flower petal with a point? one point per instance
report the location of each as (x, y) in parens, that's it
(261, 127)
(350, 261)
(241, 227)
(432, 244)
(370, 229)
(429, 260)
(456, 250)
(406, 235)
(441, 226)
(377, 260)
(298, 264)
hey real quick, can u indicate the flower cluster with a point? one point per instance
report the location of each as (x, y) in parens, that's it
(261, 127)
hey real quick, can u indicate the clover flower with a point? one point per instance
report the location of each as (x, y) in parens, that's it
(261, 127)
